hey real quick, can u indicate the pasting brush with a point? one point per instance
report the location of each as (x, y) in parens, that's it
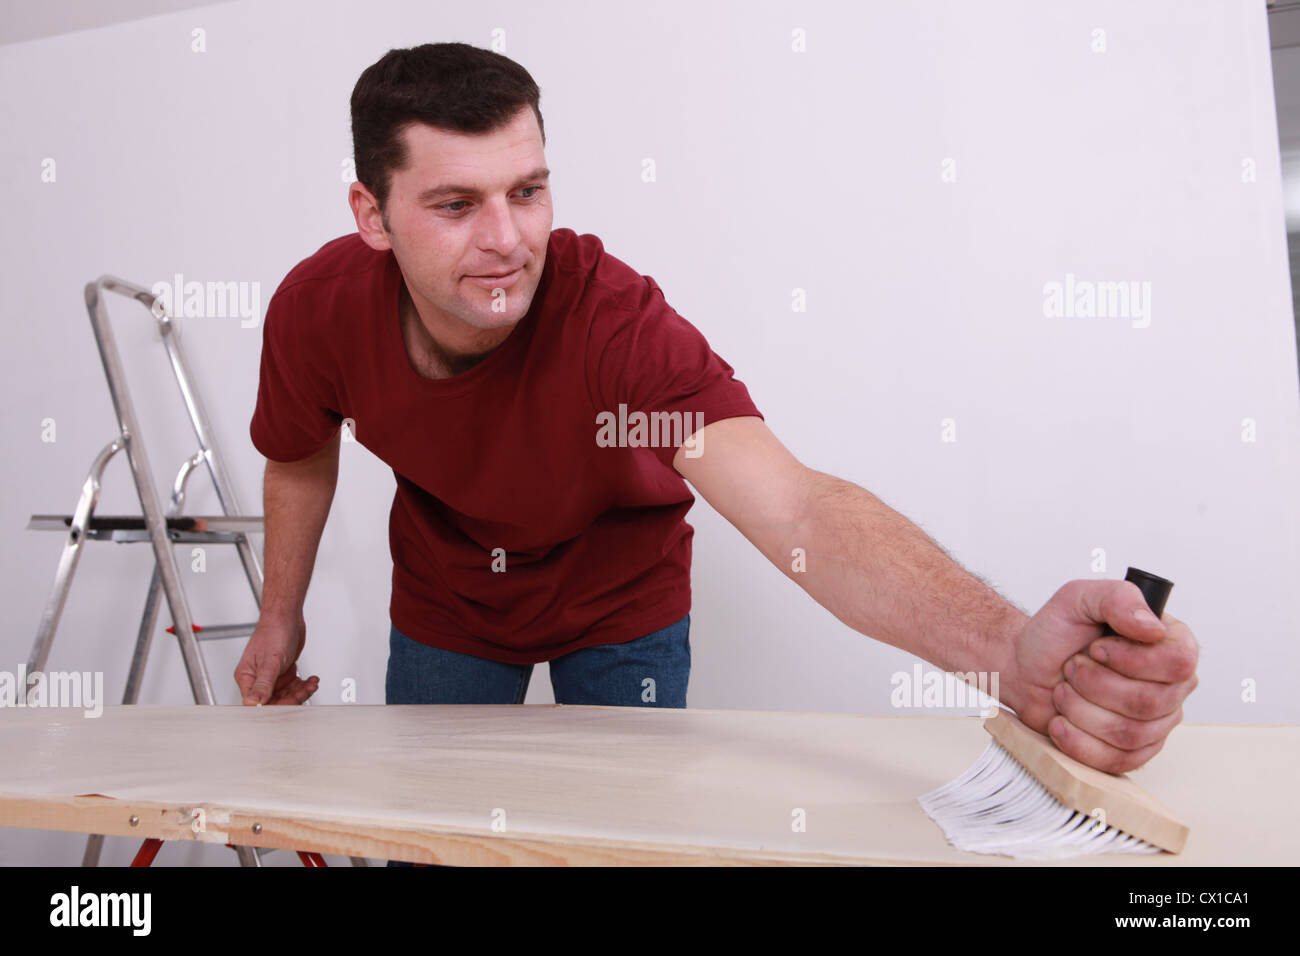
(1024, 798)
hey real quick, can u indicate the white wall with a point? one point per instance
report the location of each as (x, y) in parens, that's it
(777, 170)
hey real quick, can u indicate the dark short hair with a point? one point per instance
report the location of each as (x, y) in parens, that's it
(451, 86)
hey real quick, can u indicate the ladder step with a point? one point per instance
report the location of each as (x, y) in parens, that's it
(218, 632)
(212, 529)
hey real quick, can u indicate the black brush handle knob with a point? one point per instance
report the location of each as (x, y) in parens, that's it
(1153, 587)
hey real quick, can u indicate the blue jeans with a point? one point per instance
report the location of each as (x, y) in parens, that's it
(650, 671)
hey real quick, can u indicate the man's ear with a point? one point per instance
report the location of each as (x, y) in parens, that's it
(370, 221)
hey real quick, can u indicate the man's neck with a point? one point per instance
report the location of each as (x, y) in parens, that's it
(430, 358)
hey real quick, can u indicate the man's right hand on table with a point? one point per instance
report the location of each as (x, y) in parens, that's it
(268, 671)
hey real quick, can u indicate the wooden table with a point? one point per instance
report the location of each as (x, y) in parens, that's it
(584, 785)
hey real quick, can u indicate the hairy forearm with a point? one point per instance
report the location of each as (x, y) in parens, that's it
(296, 499)
(882, 576)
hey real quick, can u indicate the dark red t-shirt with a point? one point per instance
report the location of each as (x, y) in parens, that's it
(506, 456)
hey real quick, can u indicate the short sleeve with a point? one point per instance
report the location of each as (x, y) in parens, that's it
(296, 413)
(649, 358)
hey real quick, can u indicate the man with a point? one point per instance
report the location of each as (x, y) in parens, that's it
(485, 356)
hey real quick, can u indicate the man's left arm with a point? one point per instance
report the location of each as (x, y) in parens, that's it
(884, 577)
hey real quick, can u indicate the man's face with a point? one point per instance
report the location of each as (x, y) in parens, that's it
(467, 206)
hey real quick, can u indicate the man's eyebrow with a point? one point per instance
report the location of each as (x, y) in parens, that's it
(436, 192)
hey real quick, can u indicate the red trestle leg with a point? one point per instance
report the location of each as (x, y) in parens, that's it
(148, 850)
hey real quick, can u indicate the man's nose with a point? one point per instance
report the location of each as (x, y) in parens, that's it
(498, 231)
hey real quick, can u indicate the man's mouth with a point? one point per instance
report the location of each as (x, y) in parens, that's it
(493, 282)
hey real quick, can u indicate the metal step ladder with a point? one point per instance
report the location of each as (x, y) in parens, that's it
(161, 530)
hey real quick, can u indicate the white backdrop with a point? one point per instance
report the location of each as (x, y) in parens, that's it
(921, 171)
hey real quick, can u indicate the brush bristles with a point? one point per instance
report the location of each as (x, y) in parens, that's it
(997, 806)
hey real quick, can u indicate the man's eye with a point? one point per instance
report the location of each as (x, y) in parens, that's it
(447, 206)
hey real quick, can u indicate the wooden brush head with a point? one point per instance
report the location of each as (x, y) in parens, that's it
(1086, 789)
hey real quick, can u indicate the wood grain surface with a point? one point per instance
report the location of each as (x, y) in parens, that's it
(584, 785)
